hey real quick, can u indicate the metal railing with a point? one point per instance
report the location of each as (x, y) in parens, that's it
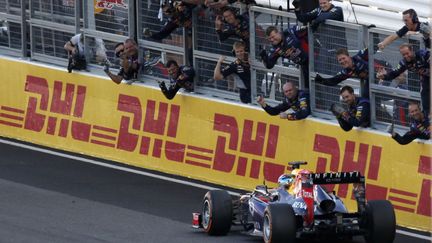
(13, 28)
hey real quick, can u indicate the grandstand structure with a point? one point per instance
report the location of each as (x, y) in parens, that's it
(38, 29)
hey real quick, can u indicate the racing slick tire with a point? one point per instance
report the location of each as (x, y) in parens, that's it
(279, 224)
(380, 222)
(217, 212)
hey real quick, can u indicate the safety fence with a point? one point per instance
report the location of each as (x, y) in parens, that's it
(12, 27)
(39, 29)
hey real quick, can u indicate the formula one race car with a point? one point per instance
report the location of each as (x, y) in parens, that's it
(299, 208)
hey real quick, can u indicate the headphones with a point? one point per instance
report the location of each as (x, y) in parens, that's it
(413, 14)
(237, 43)
(415, 17)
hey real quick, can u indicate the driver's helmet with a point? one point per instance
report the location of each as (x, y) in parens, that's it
(286, 180)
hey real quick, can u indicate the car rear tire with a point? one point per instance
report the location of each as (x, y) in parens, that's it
(217, 212)
(279, 224)
(380, 222)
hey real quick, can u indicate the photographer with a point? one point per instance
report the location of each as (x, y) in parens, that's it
(358, 113)
(128, 54)
(75, 51)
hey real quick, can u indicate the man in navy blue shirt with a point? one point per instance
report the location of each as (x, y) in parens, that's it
(241, 67)
(326, 10)
(180, 15)
(129, 64)
(353, 67)
(412, 25)
(235, 25)
(358, 113)
(291, 44)
(295, 99)
(414, 62)
(180, 77)
(419, 126)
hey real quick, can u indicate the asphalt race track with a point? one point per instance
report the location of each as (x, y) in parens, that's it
(48, 198)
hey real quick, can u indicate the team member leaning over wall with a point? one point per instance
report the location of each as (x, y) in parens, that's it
(414, 61)
(358, 113)
(326, 10)
(419, 126)
(128, 54)
(412, 26)
(295, 99)
(180, 77)
(291, 44)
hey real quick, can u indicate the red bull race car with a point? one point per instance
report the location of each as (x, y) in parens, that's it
(300, 207)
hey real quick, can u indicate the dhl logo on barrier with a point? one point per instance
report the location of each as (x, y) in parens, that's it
(228, 148)
(138, 118)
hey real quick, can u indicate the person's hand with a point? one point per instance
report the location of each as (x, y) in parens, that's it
(381, 46)
(221, 59)
(345, 115)
(218, 22)
(161, 84)
(260, 100)
(106, 67)
(381, 73)
(318, 78)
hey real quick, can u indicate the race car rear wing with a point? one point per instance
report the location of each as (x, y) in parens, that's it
(337, 178)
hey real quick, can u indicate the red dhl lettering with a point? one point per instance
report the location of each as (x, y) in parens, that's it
(225, 158)
(35, 115)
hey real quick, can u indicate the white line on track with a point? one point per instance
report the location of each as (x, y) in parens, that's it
(424, 237)
(91, 161)
(68, 156)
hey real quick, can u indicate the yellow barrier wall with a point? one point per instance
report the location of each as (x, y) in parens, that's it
(206, 140)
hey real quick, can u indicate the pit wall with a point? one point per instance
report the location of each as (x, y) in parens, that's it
(227, 144)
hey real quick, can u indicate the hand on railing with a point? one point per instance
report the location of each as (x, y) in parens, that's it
(260, 100)
(318, 78)
(381, 45)
(381, 73)
(218, 23)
